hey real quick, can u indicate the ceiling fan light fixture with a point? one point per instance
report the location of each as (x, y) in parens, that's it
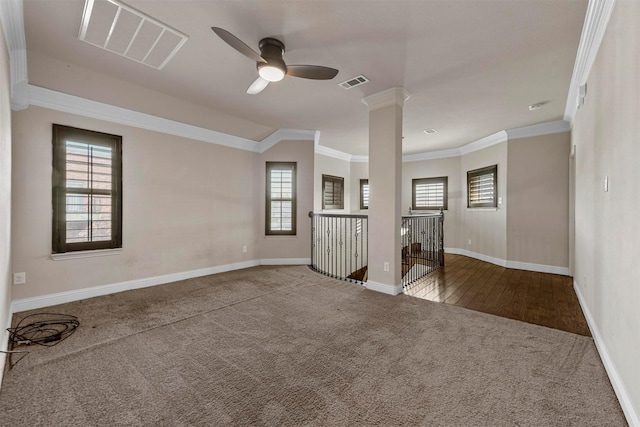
(270, 73)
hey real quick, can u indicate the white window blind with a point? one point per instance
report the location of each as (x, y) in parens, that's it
(430, 193)
(280, 198)
(332, 192)
(364, 194)
(482, 187)
(87, 190)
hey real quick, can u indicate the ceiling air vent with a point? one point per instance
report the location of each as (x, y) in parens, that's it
(356, 81)
(122, 30)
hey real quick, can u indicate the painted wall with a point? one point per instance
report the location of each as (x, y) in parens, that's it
(606, 132)
(485, 227)
(5, 195)
(449, 167)
(298, 246)
(538, 200)
(331, 166)
(185, 206)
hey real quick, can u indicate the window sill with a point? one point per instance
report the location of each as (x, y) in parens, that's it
(483, 209)
(85, 254)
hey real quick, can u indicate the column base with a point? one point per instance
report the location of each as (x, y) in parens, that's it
(384, 288)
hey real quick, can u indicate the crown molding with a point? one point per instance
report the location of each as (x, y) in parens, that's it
(485, 142)
(286, 135)
(330, 152)
(359, 159)
(393, 96)
(12, 18)
(539, 129)
(59, 101)
(54, 100)
(595, 25)
(431, 155)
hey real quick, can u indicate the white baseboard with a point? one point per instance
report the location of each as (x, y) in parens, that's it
(25, 304)
(476, 255)
(286, 261)
(541, 268)
(384, 288)
(630, 412)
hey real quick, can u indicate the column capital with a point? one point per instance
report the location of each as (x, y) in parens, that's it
(395, 95)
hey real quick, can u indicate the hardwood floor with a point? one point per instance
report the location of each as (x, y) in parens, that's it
(538, 298)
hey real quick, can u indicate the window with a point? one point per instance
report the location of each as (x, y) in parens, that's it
(332, 192)
(364, 194)
(87, 190)
(281, 199)
(482, 187)
(429, 193)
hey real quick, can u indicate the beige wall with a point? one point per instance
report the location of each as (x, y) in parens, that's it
(325, 165)
(485, 227)
(185, 206)
(538, 200)
(5, 194)
(298, 246)
(606, 132)
(449, 167)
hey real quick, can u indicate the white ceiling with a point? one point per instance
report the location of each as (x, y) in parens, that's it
(472, 67)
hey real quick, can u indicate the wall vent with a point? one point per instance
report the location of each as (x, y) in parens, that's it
(122, 30)
(356, 81)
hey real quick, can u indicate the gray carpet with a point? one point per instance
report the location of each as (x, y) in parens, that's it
(284, 346)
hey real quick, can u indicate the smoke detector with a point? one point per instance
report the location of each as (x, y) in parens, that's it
(535, 107)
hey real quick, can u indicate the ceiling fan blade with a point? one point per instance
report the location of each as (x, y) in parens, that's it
(316, 72)
(238, 44)
(257, 86)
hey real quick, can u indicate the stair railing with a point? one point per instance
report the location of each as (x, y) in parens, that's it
(422, 239)
(339, 246)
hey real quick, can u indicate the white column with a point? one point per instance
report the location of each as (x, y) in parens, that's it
(385, 189)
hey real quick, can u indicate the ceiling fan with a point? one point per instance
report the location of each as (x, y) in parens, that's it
(271, 67)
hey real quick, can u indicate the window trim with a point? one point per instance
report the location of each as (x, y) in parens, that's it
(479, 172)
(334, 180)
(60, 134)
(269, 166)
(364, 182)
(432, 180)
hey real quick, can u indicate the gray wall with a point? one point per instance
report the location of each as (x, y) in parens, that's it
(538, 200)
(606, 133)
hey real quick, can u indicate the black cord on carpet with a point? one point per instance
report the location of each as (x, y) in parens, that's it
(46, 329)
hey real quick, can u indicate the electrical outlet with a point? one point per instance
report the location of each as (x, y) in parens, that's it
(244, 249)
(469, 242)
(386, 266)
(19, 278)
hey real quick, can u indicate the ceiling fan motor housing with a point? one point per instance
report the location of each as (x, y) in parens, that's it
(272, 50)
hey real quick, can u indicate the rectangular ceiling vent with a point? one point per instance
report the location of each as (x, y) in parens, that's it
(356, 81)
(122, 30)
